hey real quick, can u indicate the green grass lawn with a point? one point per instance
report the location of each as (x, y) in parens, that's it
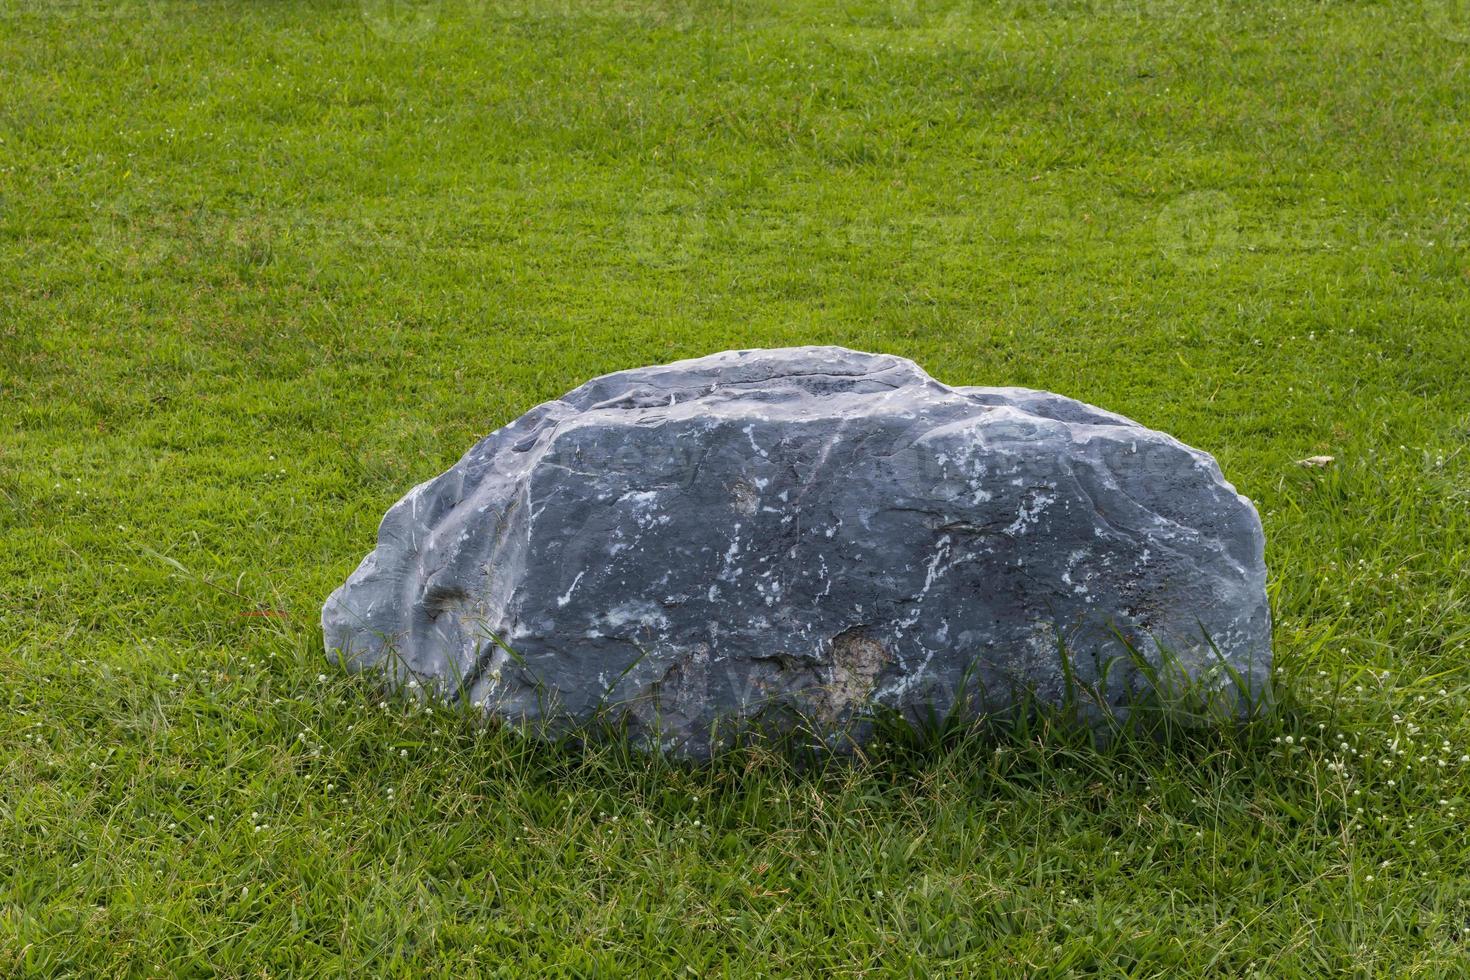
(265, 264)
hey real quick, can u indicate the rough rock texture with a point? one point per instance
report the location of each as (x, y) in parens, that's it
(808, 533)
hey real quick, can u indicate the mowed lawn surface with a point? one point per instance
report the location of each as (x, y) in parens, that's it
(265, 265)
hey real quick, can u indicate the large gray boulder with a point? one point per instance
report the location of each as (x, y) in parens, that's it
(806, 537)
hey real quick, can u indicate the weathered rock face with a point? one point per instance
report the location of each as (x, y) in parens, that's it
(809, 533)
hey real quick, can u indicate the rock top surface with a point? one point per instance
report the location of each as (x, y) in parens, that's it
(801, 537)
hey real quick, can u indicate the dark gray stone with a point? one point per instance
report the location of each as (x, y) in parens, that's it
(808, 533)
